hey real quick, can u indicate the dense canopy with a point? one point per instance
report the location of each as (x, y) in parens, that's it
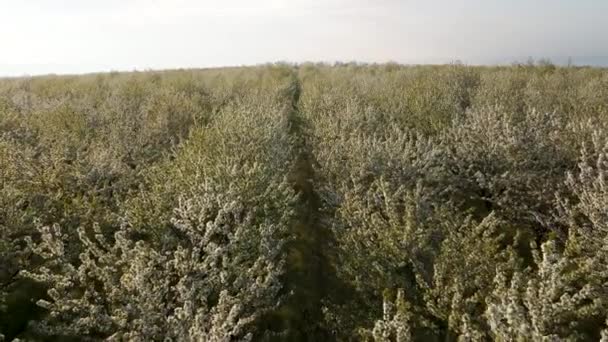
(306, 203)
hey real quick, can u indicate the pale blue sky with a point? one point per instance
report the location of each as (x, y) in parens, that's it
(75, 36)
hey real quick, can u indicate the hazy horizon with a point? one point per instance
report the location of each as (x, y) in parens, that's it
(72, 37)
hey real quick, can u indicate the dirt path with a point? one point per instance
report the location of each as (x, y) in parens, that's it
(308, 270)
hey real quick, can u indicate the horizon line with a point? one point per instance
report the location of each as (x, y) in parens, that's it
(502, 62)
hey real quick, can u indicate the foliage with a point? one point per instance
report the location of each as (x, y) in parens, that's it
(306, 202)
(213, 286)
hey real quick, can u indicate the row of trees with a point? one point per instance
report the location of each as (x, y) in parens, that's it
(146, 206)
(466, 204)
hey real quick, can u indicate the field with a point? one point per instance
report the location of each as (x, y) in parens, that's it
(306, 203)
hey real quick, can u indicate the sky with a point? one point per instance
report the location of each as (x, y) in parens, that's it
(76, 36)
